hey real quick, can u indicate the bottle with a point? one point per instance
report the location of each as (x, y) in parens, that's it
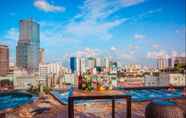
(80, 81)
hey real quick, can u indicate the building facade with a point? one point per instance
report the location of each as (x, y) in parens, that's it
(43, 71)
(27, 49)
(54, 68)
(151, 81)
(176, 79)
(162, 63)
(90, 63)
(73, 64)
(42, 56)
(4, 60)
(180, 60)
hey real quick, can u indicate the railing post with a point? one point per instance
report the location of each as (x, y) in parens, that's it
(113, 108)
(128, 107)
(70, 107)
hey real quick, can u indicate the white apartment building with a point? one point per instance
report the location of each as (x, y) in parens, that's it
(25, 82)
(43, 71)
(90, 63)
(46, 69)
(70, 79)
(83, 65)
(151, 81)
(54, 68)
(162, 63)
(175, 79)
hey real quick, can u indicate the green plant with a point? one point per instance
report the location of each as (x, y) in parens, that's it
(33, 90)
(46, 89)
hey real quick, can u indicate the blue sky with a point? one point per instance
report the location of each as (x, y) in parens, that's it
(130, 31)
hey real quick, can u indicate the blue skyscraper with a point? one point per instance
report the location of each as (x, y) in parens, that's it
(27, 49)
(73, 64)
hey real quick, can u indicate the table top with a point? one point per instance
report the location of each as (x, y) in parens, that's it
(77, 92)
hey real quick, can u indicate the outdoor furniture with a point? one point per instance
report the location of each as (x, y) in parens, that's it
(98, 95)
(163, 109)
(3, 115)
(39, 110)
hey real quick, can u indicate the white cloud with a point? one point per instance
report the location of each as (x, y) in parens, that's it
(10, 38)
(128, 3)
(87, 52)
(98, 9)
(113, 48)
(127, 57)
(123, 55)
(139, 36)
(88, 28)
(156, 46)
(89, 24)
(183, 54)
(93, 24)
(174, 53)
(12, 34)
(133, 47)
(181, 30)
(157, 54)
(181, 33)
(163, 54)
(47, 7)
(92, 29)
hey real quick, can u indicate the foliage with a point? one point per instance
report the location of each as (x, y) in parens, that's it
(36, 90)
(180, 67)
(6, 82)
(33, 90)
(46, 89)
(87, 82)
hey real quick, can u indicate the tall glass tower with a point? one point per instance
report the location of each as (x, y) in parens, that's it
(73, 64)
(28, 46)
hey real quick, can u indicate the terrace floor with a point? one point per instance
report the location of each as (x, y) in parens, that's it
(93, 110)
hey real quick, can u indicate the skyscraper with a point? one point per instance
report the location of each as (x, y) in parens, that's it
(41, 56)
(162, 63)
(73, 64)
(27, 50)
(90, 63)
(4, 60)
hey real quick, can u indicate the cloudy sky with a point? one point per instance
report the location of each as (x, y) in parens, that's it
(130, 31)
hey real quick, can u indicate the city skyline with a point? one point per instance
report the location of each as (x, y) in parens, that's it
(130, 31)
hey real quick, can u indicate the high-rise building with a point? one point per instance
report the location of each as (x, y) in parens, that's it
(49, 69)
(54, 68)
(99, 62)
(162, 63)
(41, 56)
(73, 64)
(170, 62)
(83, 65)
(27, 50)
(180, 60)
(90, 63)
(4, 60)
(43, 71)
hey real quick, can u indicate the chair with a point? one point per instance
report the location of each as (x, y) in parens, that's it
(163, 109)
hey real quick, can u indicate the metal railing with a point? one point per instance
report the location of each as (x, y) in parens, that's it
(110, 97)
